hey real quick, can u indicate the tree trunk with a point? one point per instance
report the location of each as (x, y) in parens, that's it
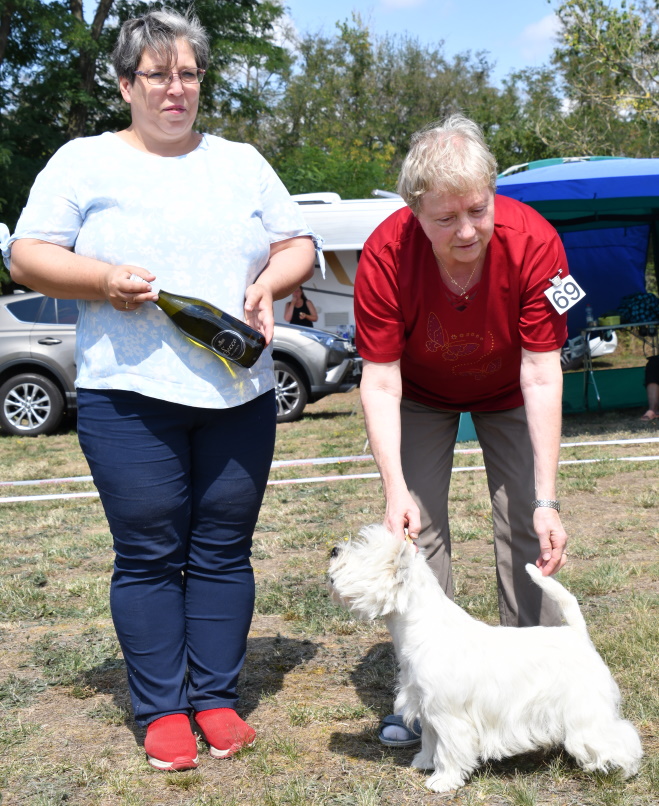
(79, 113)
(5, 28)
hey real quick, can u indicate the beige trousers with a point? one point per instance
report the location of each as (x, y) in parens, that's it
(427, 444)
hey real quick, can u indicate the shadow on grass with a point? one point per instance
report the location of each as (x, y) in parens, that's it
(374, 679)
(606, 423)
(327, 415)
(268, 661)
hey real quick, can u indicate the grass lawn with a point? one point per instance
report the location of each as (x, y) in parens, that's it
(316, 682)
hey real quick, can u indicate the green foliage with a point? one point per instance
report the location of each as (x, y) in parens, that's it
(608, 62)
(353, 173)
(331, 112)
(347, 111)
(56, 82)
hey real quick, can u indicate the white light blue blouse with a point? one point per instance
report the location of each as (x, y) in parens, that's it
(202, 223)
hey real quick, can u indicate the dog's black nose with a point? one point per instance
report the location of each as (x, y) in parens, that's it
(334, 552)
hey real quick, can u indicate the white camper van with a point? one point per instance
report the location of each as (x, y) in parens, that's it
(344, 225)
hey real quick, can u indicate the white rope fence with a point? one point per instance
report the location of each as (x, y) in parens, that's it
(331, 460)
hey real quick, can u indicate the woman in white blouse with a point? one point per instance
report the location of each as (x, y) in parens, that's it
(178, 441)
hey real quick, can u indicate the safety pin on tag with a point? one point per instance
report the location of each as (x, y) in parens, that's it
(563, 294)
(558, 280)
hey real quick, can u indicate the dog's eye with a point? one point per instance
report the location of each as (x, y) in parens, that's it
(334, 552)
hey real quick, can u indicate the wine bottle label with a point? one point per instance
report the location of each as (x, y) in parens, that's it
(230, 344)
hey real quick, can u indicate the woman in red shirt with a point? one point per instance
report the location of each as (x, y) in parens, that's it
(452, 317)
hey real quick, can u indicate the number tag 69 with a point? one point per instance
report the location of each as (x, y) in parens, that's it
(565, 295)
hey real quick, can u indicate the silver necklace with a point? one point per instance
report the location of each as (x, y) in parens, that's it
(462, 288)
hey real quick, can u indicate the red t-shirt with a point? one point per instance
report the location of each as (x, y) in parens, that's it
(465, 360)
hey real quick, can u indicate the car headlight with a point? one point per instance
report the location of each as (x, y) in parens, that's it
(326, 339)
(338, 348)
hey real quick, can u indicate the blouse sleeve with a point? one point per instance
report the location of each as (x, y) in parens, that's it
(52, 213)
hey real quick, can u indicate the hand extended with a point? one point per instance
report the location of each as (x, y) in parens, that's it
(553, 540)
(123, 291)
(259, 313)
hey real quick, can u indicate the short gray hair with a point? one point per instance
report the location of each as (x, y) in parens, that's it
(448, 157)
(157, 32)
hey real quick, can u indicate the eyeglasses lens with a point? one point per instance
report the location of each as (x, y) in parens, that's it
(186, 77)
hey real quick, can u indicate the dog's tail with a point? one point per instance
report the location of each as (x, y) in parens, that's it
(563, 598)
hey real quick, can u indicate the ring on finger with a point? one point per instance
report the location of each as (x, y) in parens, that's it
(126, 305)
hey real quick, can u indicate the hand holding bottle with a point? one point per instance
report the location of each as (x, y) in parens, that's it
(126, 288)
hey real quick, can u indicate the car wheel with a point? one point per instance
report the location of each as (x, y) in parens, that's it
(291, 392)
(30, 405)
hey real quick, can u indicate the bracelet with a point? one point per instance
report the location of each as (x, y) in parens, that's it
(546, 503)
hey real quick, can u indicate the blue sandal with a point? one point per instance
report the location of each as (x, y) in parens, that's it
(412, 737)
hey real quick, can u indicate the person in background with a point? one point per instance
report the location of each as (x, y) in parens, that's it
(652, 389)
(179, 442)
(452, 317)
(300, 310)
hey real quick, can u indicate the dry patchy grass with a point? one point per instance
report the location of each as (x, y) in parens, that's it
(316, 682)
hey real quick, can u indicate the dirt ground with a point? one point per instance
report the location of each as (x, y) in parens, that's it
(316, 697)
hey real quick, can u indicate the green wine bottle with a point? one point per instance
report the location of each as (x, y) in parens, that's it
(207, 326)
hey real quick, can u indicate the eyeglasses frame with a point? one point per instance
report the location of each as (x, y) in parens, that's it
(200, 76)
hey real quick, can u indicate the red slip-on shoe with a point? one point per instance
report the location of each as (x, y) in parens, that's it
(170, 743)
(225, 731)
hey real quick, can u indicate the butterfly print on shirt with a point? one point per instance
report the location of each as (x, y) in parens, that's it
(467, 351)
(452, 349)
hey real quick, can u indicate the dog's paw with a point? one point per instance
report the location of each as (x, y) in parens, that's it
(423, 761)
(445, 781)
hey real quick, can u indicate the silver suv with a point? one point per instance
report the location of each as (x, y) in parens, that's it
(37, 369)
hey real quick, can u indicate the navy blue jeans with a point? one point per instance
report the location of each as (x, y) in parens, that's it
(182, 488)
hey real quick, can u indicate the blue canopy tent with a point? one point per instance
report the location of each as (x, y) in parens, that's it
(607, 213)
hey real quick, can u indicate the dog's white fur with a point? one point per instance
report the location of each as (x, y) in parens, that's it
(483, 692)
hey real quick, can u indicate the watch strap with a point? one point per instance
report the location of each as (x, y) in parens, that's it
(544, 502)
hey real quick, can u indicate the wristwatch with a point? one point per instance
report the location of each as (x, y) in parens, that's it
(543, 502)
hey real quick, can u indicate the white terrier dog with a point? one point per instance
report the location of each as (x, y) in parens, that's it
(483, 692)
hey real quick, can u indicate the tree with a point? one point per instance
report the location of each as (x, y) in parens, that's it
(251, 78)
(324, 134)
(56, 82)
(600, 94)
(609, 64)
(610, 57)
(352, 102)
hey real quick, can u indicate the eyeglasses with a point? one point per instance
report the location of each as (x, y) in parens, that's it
(160, 77)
